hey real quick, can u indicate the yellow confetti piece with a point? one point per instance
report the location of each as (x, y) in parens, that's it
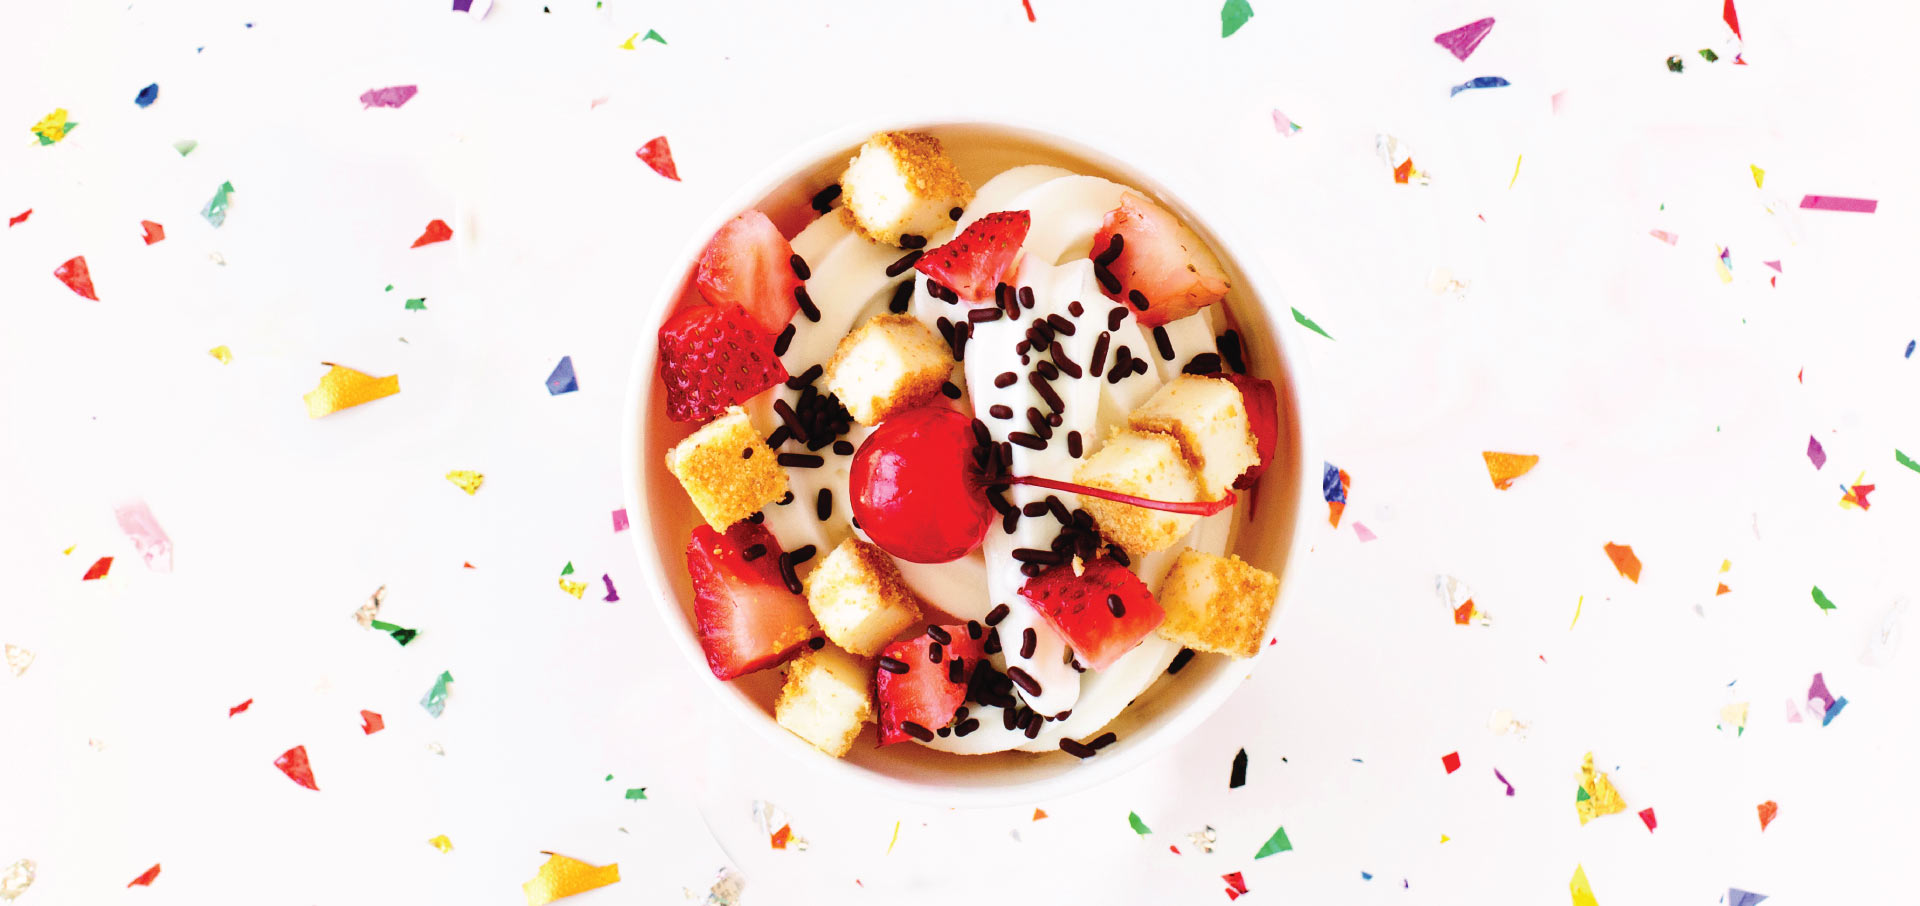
(1582, 891)
(896, 838)
(1576, 612)
(1720, 267)
(53, 127)
(1726, 565)
(1735, 716)
(69, 551)
(343, 388)
(1444, 838)
(1516, 170)
(575, 589)
(1851, 499)
(222, 353)
(564, 877)
(466, 480)
(628, 44)
(1601, 797)
(441, 843)
(1759, 175)
(1505, 467)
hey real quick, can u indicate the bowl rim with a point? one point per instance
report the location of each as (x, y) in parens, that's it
(1178, 724)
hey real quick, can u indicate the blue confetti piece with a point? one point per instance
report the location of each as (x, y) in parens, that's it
(1834, 711)
(1910, 348)
(562, 379)
(1738, 897)
(1330, 486)
(1485, 81)
(148, 95)
(1366, 876)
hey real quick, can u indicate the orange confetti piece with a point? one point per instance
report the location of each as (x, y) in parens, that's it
(1039, 814)
(1505, 467)
(782, 837)
(1334, 509)
(1723, 589)
(344, 388)
(1400, 173)
(146, 877)
(1624, 561)
(564, 877)
(1768, 810)
(1463, 614)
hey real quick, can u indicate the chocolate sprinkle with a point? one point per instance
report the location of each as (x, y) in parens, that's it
(801, 460)
(1061, 325)
(1163, 342)
(799, 266)
(823, 199)
(806, 377)
(1005, 379)
(998, 613)
(940, 635)
(785, 339)
(1099, 361)
(787, 575)
(1116, 607)
(973, 629)
(893, 665)
(1138, 299)
(1022, 438)
(935, 652)
(1072, 747)
(1112, 252)
(1029, 642)
(753, 552)
(916, 731)
(983, 315)
(1115, 316)
(1059, 356)
(966, 726)
(906, 261)
(998, 410)
(1073, 444)
(1108, 281)
(954, 213)
(902, 296)
(992, 644)
(1103, 740)
(1024, 680)
(803, 553)
(1026, 297)
(955, 672)
(843, 447)
(911, 241)
(1180, 660)
(816, 643)
(1075, 309)
(1046, 392)
(823, 504)
(1204, 363)
(807, 307)
(1230, 351)
(949, 390)
(1122, 365)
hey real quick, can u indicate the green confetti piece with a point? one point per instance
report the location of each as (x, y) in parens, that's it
(653, 36)
(1307, 322)
(1278, 843)
(637, 793)
(1580, 794)
(400, 634)
(216, 209)
(185, 146)
(1139, 827)
(1233, 15)
(1820, 598)
(609, 776)
(436, 698)
(568, 571)
(1708, 54)
(419, 304)
(1905, 460)
(389, 287)
(1675, 64)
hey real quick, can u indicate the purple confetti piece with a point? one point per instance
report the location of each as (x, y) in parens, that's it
(393, 96)
(461, 6)
(1738, 897)
(1818, 693)
(1503, 779)
(1462, 41)
(148, 538)
(620, 519)
(1816, 452)
(611, 594)
(1839, 203)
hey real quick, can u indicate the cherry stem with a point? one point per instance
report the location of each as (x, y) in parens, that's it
(1197, 508)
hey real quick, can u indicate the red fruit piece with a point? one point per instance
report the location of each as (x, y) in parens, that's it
(712, 357)
(1080, 609)
(749, 264)
(154, 232)
(1159, 257)
(926, 694)
(916, 489)
(748, 619)
(75, 275)
(1263, 416)
(293, 763)
(974, 262)
(659, 157)
(437, 231)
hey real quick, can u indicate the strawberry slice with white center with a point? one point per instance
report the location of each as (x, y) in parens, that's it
(712, 357)
(749, 264)
(1263, 416)
(1103, 613)
(1174, 273)
(917, 702)
(974, 262)
(747, 617)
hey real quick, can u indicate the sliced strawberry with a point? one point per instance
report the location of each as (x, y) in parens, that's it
(748, 619)
(974, 262)
(1170, 267)
(926, 694)
(1078, 607)
(712, 357)
(749, 264)
(1263, 416)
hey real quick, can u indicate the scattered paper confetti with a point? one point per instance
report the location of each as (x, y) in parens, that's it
(1839, 704)
(1334, 483)
(1734, 717)
(152, 232)
(1768, 811)
(147, 95)
(293, 763)
(1856, 496)
(1502, 722)
(1759, 175)
(1736, 896)
(16, 879)
(1283, 125)
(1723, 266)
(371, 723)
(393, 96)
(1646, 815)
(344, 388)
(576, 589)
(1503, 780)
(1905, 460)
(1237, 778)
(1278, 843)
(1450, 761)
(725, 890)
(436, 231)
(1307, 322)
(137, 521)
(1816, 453)
(1597, 795)
(1839, 203)
(636, 794)
(185, 146)
(1776, 267)
(1675, 64)
(73, 272)
(1582, 891)
(216, 210)
(146, 878)
(612, 595)
(19, 218)
(562, 379)
(660, 157)
(98, 570)
(1233, 15)
(466, 480)
(1462, 41)
(1666, 237)
(1733, 22)
(417, 304)
(1039, 814)
(1817, 692)
(18, 660)
(1361, 531)
(435, 701)
(1236, 885)
(1139, 827)
(1820, 598)
(564, 877)
(367, 611)
(441, 843)
(1398, 156)
(620, 523)
(1517, 158)
(1203, 839)
(400, 634)
(896, 837)
(1458, 599)
(54, 126)
(1503, 468)
(1577, 605)
(236, 709)
(1624, 561)
(1483, 82)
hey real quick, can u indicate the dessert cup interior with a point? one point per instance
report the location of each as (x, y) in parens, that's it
(1265, 534)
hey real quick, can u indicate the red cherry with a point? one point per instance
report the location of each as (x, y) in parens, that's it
(916, 490)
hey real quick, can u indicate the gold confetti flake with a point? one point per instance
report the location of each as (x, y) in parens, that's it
(727, 886)
(16, 879)
(343, 388)
(53, 127)
(467, 480)
(222, 353)
(1203, 839)
(564, 877)
(1597, 795)
(441, 843)
(576, 589)
(18, 659)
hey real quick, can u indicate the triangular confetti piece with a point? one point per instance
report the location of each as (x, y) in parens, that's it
(1582, 890)
(1759, 175)
(1624, 561)
(73, 272)
(1278, 843)
(146, 877)
(1462, 41)
(343, 388)
(152, 232)
(660, 157)
(466, 480)
(1505, 467)
(564, 877)
(1598, 794)
(98, 570)
(436, 231)
(293, 763)
(1768, 811)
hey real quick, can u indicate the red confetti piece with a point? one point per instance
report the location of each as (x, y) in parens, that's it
(1402, 172)
(19, 218)
(437, 231)
(1028, 4)
(1733, 19)
(98, 570)
(1236, 885)
(1768, 810)
(1624, 561)
(1463, 614)
(1646, 814)
(1451, 761)
(236, 709)
(293, 763)
(370, 723)
(1175, 849)
(782, 837)
(659, 157)
(75, 275)
(154, 231)
(466, 565)
(146, 877)
(1857, 495)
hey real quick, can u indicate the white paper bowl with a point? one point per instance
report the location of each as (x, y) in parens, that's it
(1272, 539)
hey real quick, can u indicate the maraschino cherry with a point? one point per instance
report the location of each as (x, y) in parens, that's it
(919, 494)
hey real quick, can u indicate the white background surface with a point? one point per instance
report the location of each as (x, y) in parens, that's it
(1664, 406)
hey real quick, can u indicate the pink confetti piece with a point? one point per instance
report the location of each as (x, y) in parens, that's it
(1363, 533)
(1775, 265)
(392, 96)
(1283, 125)
(1664, 236)
(1839, 203)
(1816, 452)
(1817, 692)
(1462, 41)
(1793, 712)
(620, 520)
(146, 534)
(1559, 102)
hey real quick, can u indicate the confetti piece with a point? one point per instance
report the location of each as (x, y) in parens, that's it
(293, 763)
(1502, 722)
(73, 272)
(1503, 779)
(1759, 175)
(1363, 533)
(1307, 322)
(612, 595)
(1905, 460)
(628, 43)
(576, 589)
(1450, 761)
(1768, 811)
(1856, 496)
(393, 96)
(371, 723)
(19, 218)
(1820, 598)
(1398, 156)
(1516, 170)
(1817, 692)
(654, 36)
(562, 379)
(1839, 203)
(781, 837)
(1462, 41)
(435, 701)
(1675, 64)
(344, 388)
(152, 232)
(1582, 890)
(436, 231)
(18, 660)
(620, 523)
(1139, 827)
(564, 877)
(1284, 126)
(419, 304)
(216, 210)
(367, 611)
(185, 146)
(1236, 885)
(147, 95)
(1664, 236)
(1646, 815)
(1624, 561)
(1503, 468)
(400, 634)
(1735, 716)
(1483, 82)
(660, 157)
(146, 877)
(1775, 265)
(236, 709)
(1706, 53)
(1839, 704)
(1028, 6)
(54, 126)
(1039, 814)
(441, 843)
(636, 794)
(1816, 453)
(1233, 15)
(1733, 22)
(896, 838)
(1736, 896)
(1597, 796)
(1333, 486)
(466, 480)
(16, 879)
(1202, 839)
(98, 570)
(1238, 777)
(1278, 843)
(137, 521)
(1723, 266)
(1582, 602)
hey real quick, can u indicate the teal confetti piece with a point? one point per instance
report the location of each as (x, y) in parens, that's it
(1820, 598)
(400, 634)
(653, 36)
(1905, 460)
(435, 700)
(419, 304)
(216, 209)
(1278, 843)
(1307, 322)
(1233, 15)
(637, 793)
(1139, 827)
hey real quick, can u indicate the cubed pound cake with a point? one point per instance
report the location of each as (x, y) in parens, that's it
(1208, 418)
(1216, 604)
(860, 599)
(890, 363)
(1143, 464)
(827, 698)
(902, 183)
(728, 469)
